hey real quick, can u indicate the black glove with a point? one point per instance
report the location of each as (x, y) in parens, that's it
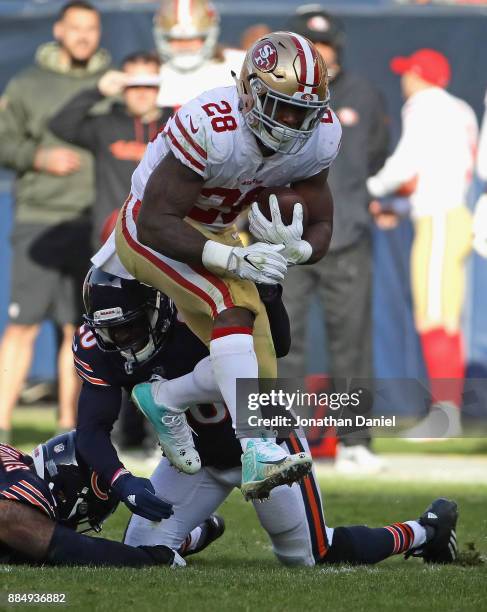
(162, 555)
(139, 496)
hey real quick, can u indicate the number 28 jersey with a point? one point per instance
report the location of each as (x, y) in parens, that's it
(210, 136)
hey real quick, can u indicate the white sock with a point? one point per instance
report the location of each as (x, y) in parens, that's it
(419, 533)
(197, 387)
(233, 356)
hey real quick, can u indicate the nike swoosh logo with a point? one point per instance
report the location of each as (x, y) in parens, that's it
(194, 131)
(246, 258)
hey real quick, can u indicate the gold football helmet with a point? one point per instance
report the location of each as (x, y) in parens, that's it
(280, 70)
(186, 20)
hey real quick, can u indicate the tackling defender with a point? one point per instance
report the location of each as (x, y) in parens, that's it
(45, 497)
(122, 321)
(130, 335)
(176, 232)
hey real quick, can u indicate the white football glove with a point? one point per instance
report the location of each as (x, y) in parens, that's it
(275, 231)
(295, 251)
(259, 262)
(479, 226)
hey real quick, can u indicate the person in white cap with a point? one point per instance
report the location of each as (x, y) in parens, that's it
(433, 163)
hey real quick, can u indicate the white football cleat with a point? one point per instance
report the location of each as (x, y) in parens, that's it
(357, 459)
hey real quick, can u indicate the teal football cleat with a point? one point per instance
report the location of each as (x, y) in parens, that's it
(172, 429)
(265, 465)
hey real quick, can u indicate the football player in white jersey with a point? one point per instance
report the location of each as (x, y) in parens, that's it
(176, 233)
(186, 34)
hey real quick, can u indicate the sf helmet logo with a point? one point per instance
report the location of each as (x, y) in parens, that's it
(264, 56)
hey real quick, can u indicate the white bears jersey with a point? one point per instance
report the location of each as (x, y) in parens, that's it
(178, 88)
(210, 136)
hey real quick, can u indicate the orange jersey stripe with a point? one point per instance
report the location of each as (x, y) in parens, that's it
(315, 505)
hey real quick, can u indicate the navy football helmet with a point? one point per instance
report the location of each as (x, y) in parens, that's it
(83, 500)
(126, 316)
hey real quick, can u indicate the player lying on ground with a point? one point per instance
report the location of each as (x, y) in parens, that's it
(293, 517)
(46, 497)
(131, 334)
(176, 231)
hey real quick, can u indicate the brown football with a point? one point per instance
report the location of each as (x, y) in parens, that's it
(287, 198)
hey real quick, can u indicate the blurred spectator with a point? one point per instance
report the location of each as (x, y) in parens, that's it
(434, 162)
(53, 189)
(480, 216)
(252, 34)
(117, 138)
(343, 279)
(186, 35)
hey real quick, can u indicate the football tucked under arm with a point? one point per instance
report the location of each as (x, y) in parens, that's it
(279, 216)
(319, 202)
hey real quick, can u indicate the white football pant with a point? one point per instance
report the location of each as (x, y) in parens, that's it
(293, 516)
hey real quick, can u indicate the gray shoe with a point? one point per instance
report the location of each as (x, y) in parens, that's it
(442, 423)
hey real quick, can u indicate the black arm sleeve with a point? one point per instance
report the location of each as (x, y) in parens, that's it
(271, 296)
(70, 548)
(98, 410)
(73, 122)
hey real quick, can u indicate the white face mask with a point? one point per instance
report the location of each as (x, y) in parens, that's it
(186, 61)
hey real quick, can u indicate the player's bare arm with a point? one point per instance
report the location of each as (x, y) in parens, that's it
(319, 202)
(171, 192)
(24, 529)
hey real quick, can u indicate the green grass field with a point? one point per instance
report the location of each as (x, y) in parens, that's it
(239, 571)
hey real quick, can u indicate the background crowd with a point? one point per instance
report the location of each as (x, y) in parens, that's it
(74, 124)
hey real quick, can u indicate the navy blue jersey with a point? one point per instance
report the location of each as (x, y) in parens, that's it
(19, 482)
(104, 377)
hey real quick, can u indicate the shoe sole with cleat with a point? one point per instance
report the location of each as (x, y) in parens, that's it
(292, 469)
